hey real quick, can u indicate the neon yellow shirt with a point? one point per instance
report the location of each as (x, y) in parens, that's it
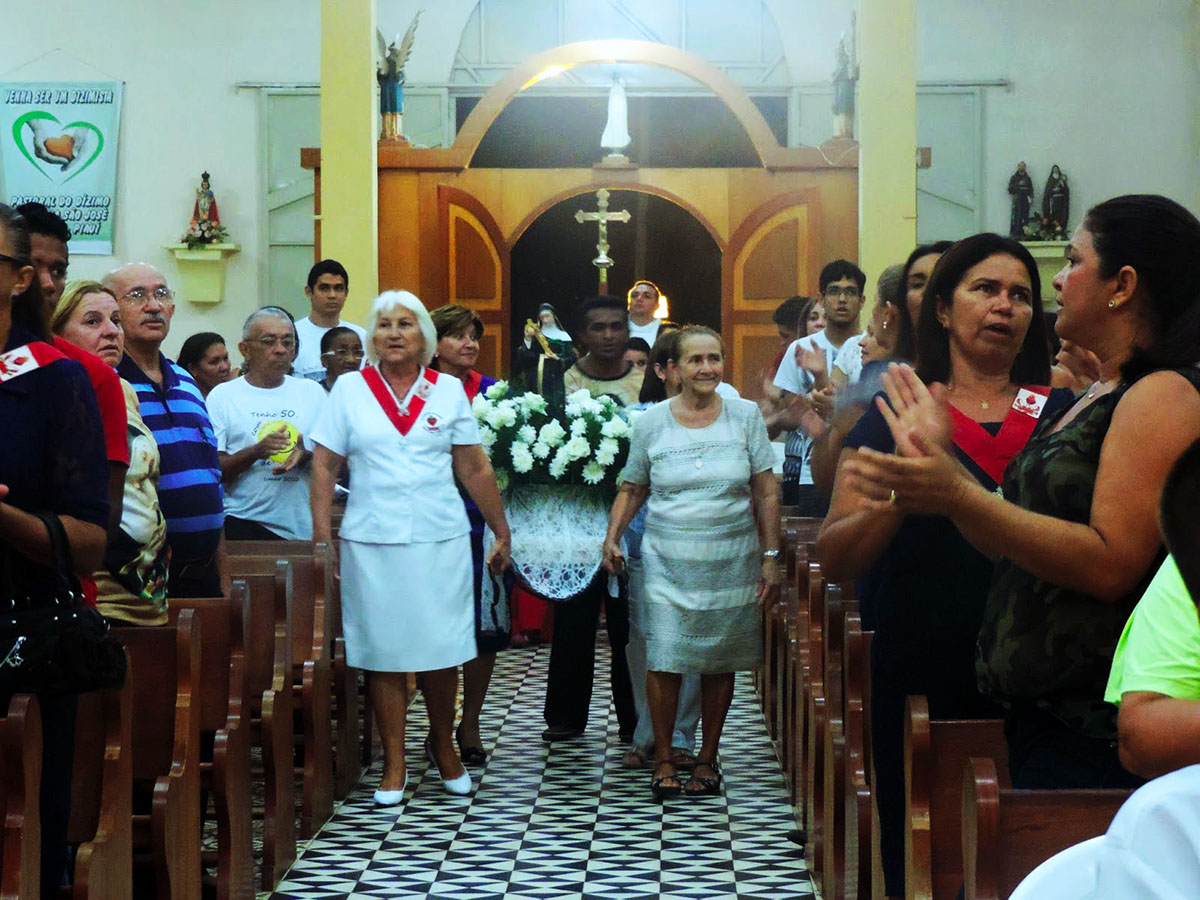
(1159, 650)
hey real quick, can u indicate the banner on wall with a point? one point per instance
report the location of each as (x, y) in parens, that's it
(58, 146)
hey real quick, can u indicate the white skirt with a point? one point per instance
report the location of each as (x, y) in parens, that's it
(408, 607)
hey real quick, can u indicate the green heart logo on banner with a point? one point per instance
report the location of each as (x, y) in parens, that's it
(42, 114)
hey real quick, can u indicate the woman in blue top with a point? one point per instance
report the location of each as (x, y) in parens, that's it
(981, 333)
(52, 460)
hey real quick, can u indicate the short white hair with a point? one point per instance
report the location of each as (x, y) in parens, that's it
(388, 302)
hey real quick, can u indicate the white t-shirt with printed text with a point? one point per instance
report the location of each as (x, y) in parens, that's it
(242, 415)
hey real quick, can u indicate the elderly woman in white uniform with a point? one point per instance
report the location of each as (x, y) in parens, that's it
(405, 539)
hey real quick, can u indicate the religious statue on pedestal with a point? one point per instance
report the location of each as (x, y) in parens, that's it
(389, 72)
(616, 130)
(205, 226)
(1056, 204)
(845, 76)
(1020, 186)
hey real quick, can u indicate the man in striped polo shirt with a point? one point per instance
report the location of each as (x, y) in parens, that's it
(189, 487)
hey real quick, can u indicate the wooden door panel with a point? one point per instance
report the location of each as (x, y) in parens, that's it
(476, 271)
(772, 256)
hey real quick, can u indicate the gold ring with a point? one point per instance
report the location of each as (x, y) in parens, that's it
(892, 497)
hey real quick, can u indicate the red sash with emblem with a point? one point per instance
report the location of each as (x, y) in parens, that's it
(402, 418)
(993, 454)
(26, 358)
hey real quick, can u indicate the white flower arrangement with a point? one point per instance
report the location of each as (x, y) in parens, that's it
(585, 442)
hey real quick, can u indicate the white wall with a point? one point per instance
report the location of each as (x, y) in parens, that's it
(1108, 89)
(179, 61)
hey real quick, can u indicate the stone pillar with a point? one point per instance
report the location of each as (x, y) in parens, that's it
(349, 193)
(887, 134)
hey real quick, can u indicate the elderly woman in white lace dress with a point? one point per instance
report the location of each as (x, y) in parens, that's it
(705, 465)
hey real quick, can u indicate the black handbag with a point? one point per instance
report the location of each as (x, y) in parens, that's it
(57, 644)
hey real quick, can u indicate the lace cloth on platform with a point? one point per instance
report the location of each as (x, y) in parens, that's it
(557, 538)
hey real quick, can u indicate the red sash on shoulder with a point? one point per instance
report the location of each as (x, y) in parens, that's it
(471, 383)
(26, 358)
(993, 454)
(404, 418)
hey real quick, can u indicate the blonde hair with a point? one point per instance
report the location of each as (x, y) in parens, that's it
(392, 300)
(73, 294)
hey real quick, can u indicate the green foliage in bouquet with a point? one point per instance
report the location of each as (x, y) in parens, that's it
(585, 442)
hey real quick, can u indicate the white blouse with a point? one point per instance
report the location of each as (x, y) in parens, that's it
(402, 487)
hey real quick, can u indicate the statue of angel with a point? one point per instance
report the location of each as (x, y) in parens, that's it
(389, 72)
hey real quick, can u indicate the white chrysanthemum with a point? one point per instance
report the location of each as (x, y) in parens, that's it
(579, 396)
(593, 473)
(609, 404)
(552, 433)
(593, 407)
(558, 465)
(481, 405)
(540, 450)
(487, 437)
(522, 459)
(533, 403)
(497, 390)
(578, 427)
(615, 427)
(607, 451)
(527, 433)
(501, 417)
(577, 448)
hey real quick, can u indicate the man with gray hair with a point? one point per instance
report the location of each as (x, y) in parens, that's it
(261, 422)
(189, 488)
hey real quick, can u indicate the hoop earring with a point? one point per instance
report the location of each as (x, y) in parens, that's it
(1112, 304)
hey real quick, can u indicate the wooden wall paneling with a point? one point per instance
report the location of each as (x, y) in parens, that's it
(400, 256)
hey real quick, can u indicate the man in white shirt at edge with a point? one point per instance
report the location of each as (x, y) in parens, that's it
(807, 368)
(327, 289)
(261, 421)
(643, 301)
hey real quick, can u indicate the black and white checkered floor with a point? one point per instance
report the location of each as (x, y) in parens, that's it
(563, 820)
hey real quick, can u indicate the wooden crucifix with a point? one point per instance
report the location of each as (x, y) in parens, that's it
(602, 217)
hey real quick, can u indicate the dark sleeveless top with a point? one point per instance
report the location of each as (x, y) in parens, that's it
(1042, 643)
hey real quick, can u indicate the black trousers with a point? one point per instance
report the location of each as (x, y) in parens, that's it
(1044, 753)
(573, 656)
(246, 530)
(194, 579)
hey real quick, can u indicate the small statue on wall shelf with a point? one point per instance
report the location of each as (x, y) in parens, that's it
(845, 76)
(1056, 204)
(389, 72)
(205, 227)
(1020, 186)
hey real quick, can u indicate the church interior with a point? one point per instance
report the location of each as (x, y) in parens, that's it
(735, 181)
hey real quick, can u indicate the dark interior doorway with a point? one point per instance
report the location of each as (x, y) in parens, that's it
(552, 261)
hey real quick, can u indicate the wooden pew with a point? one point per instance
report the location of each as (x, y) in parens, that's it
(795, 661)
(164, 669)
(348, 763)
(934, 749)
(312, 675)
(795, 531)
(838, 602)
(270, 701)
(813, 685)
(225, 727)
(860, 804)
(20, 776)
(1007, 833)
(101, 821)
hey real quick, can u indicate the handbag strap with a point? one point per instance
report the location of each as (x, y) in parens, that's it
(60, 552)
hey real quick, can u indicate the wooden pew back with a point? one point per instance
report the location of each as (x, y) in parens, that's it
(1007, 833)
(20, 776)
(934, 748)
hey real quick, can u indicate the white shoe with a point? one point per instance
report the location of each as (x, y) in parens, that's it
(460, 785)
(392, 798)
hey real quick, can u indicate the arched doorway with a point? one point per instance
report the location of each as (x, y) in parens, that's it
(551, 259)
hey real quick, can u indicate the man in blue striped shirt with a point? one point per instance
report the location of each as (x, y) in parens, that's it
(189, 487)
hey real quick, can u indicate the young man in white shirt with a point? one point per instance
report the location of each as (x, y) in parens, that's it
(261, 421)
(643, 301)
(805, 371)
(327, 290)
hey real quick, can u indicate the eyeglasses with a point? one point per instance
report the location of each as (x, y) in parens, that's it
(343, 353)
(269, 341)
(850, 293)
(140, 296)
(19, 263)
